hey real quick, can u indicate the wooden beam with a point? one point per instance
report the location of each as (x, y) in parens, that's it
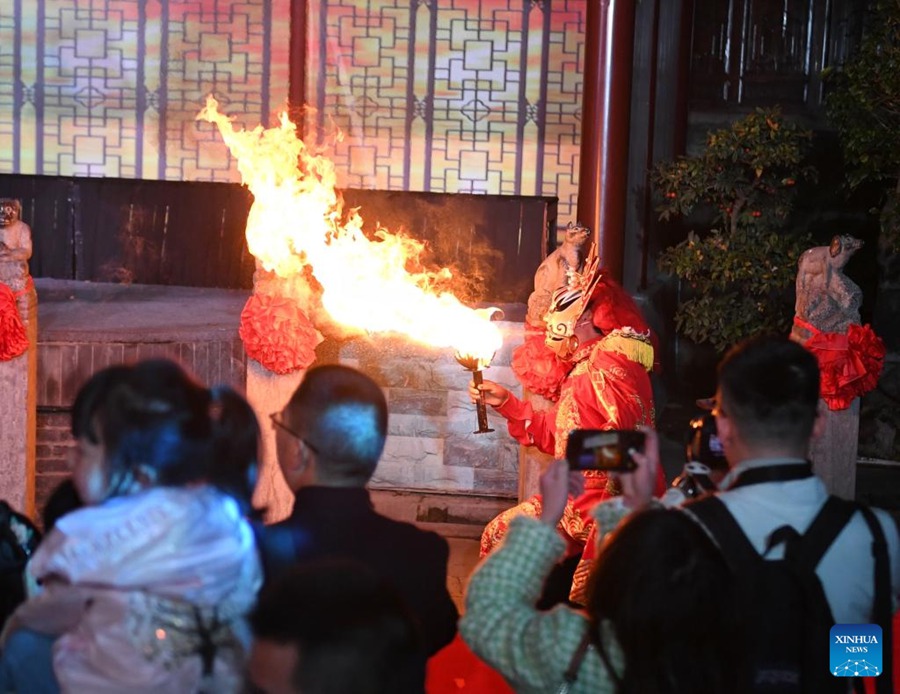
(606, 112)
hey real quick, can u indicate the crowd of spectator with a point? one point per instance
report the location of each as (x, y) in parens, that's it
(155, 573)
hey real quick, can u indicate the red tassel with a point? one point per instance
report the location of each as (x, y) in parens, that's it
(13, 338)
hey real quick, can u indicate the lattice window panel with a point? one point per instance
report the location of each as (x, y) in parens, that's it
(111, 87)
(450, 96)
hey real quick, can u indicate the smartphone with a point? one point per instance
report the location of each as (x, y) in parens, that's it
(600, 449)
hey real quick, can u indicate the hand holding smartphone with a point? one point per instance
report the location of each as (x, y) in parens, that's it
(601, 449)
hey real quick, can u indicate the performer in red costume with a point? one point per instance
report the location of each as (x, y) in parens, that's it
(595, 353)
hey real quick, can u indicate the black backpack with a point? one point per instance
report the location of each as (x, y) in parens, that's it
(18, 539)
(783, 604)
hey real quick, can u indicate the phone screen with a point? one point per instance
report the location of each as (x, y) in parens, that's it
(598, 449)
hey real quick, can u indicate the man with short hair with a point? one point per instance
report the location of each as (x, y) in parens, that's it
(330, 437)
(773, 507)
(767, 413)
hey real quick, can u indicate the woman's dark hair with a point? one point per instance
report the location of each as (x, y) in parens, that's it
(666, 590)
(157, 420)
(63, 499)
(91, 396)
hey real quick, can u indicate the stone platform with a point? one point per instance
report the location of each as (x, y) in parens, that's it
(434, 471)
(431, 455)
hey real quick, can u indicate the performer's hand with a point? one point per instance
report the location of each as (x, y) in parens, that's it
(557, 484)
(494, 394)
(637, 486)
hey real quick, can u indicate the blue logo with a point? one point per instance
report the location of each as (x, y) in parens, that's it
(855, 650)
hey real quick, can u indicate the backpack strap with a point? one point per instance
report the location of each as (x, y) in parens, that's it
(719, 524)
(881, 605)
(822, 532)
(571, 673)
(827, 525)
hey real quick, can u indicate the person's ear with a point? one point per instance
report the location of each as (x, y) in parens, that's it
(301, 468)
(725, 430)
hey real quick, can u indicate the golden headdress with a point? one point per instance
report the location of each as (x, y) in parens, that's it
(569, 303)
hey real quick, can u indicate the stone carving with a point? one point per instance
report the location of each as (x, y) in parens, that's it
(850, 356)
(557, 269)
(18, 375)
(827, 299)
(15, 250)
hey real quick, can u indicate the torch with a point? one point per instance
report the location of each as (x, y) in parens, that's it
(475, 365)
(477, 355)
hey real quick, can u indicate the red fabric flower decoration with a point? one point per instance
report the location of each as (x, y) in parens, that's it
(278, 334)
(13, 338)
(537, 367)
(850, 363)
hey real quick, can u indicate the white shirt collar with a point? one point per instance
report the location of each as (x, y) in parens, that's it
(755, 463)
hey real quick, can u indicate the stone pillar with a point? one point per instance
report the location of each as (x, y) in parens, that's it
(828, 305)
(18, 417)
(18, 376)
(269, 392)
(834, 452)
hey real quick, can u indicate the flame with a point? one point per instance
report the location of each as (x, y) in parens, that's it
(295, 223)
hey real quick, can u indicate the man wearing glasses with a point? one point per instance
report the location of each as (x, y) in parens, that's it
(773, 507)
(329, 439)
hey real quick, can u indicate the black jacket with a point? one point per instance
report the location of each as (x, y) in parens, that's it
(340, 522)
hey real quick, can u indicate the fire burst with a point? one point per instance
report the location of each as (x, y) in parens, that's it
(297, 222)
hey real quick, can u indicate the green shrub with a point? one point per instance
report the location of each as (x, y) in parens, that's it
(737, 274)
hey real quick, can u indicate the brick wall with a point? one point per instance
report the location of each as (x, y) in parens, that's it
(64, 366)
(54, 444)
(431, 446)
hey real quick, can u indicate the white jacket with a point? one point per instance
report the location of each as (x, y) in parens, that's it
(140, 577)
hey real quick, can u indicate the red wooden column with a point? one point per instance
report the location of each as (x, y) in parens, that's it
(606, 112)
(297, 70)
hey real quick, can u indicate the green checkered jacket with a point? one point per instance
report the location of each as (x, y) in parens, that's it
(531, 649)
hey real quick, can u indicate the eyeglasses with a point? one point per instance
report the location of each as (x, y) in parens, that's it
(277, 421)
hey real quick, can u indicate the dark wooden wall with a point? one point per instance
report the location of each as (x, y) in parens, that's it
(495, 241)
(192, 234)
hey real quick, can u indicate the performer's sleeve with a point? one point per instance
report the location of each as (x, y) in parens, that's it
(533, 428)
(528, 647)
